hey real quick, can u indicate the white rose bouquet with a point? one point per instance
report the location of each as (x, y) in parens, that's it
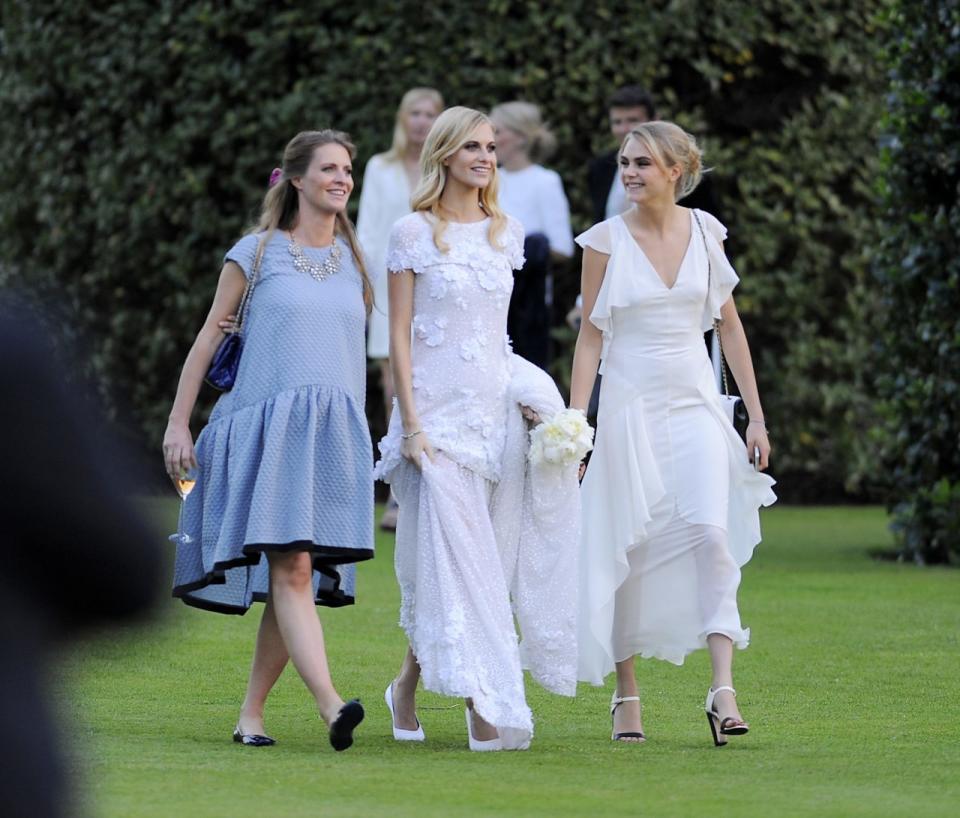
(562, 440)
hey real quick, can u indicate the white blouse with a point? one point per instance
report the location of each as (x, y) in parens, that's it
(385, 197)
(534, 196)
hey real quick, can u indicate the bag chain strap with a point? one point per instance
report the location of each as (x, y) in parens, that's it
(248, 290)
(716, 323)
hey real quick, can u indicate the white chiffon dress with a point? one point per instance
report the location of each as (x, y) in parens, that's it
(483, 539)
(670, 500)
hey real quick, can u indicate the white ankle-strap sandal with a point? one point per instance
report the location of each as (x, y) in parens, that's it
(728, 726)
(615, 702)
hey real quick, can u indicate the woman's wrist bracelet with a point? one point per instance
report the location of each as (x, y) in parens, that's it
(761, 421)
(412, 434)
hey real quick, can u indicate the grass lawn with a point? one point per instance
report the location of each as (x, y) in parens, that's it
(851, 689)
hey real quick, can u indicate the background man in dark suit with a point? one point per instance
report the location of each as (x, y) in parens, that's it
(629, 106)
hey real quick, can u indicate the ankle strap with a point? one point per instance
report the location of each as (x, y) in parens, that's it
(723, 687)
(620, 699)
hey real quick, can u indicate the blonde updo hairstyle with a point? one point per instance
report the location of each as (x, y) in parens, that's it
(281, 204)
(450, 132)
(669, 145)
(399, 147)
(524, 118)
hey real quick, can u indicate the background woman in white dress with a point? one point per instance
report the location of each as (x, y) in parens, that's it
(388, 182)
(534, 195)
(670, 499)
(451, 264)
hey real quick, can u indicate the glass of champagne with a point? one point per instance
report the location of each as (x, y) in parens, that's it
(186, 480)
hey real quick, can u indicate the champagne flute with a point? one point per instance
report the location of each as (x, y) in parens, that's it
(186, 480)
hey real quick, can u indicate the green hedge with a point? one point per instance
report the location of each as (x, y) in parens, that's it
(138, 136)
(918, 273)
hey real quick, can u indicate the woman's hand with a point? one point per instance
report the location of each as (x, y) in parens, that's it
(228, 325)
(178, 453)
(413, 448)
(757, 439)
(530, 414)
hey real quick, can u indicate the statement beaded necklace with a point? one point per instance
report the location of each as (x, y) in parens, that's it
(318, 270)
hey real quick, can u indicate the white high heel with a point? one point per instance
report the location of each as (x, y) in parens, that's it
(475, 744)
(398, 733)
(615, 702)
(729, 726)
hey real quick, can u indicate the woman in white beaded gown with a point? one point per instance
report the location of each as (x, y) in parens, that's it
(670, 498)
(450, 447)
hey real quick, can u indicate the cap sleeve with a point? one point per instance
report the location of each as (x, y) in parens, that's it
(514, 248)
(713, 225)
(243, 253)
(723, 278)
(597, 238)
(410, 243)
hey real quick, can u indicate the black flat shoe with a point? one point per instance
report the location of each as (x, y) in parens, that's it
(342, 727)
(252, 739)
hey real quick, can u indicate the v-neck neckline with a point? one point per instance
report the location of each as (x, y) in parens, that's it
(646, 258)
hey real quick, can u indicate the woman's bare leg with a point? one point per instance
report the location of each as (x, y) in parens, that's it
(626, 718)
(291, 589)
(721, 659)
(405, 692)
(269, 659)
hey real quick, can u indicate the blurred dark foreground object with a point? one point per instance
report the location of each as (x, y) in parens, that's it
(76, 552)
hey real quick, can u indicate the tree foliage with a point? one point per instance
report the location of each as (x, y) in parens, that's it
(918, 274)
(138, 136)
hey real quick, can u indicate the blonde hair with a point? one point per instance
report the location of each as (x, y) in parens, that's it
(524, 118)
(409, 100)
(669, 145)
(450, 133)
(281, 204)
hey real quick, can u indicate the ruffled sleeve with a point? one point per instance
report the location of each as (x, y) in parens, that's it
(514, 243)
(409, 245)
(243, 253)
(723, 278)
(600, 238)
(596, 238)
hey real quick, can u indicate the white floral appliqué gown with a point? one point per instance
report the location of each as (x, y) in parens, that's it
(670, 501)
(465, 517)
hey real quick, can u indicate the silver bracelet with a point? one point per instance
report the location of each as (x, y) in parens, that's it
(761, 421)
(412, 434)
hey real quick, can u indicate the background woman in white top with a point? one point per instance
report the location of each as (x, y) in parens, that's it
(534, 195)
(388, 182)
(670, 499)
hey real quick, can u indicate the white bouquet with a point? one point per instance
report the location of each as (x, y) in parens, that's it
(562, 440)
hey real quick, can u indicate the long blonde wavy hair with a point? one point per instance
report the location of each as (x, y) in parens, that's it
(281, 204)
(451, 131)
(399, 147)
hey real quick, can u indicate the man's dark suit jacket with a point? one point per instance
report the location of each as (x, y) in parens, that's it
(603, 169)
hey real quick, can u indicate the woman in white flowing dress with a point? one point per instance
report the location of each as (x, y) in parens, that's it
(454, 455)
(670, 498)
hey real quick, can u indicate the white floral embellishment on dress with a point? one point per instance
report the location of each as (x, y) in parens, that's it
(430, 332)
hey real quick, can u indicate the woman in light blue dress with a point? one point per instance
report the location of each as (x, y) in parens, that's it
(283, 503)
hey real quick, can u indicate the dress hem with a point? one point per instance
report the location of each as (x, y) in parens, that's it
(324, 558)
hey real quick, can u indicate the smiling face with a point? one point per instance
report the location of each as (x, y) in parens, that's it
(418, 120)
(328, 181)
(474, 163)
(642, 177)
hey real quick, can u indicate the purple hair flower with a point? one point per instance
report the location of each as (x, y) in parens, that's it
(275, 175)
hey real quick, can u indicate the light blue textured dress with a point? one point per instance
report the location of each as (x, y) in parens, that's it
(285, 459)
